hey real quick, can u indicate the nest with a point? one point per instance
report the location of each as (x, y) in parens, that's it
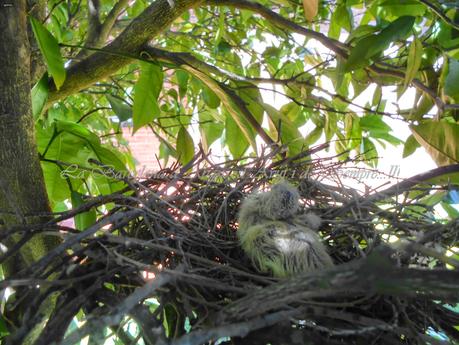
(164, 255)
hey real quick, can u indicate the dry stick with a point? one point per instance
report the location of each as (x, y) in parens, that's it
(146, 244)
(398, 188)
(93, 325)
(123, 217)
(240, 329)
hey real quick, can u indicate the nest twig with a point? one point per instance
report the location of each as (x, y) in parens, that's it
(173, 237)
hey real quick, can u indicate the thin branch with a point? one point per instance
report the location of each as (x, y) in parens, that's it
(115, 317)
(98, 32)
(334, 45)
(439, 12)
(93, 21)
(229, 94)
(112, 16)
(399, 188)
(240, 329)
(337, 47)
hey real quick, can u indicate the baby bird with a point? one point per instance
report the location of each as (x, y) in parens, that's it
(276, 237)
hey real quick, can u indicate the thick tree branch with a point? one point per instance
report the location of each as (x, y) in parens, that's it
(377, 273)
(160, 15)
(156, 18)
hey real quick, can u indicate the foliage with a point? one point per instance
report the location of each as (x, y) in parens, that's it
(202, 72)
(208, 74)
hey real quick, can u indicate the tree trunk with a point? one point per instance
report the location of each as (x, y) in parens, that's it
(22, 189)
(23, 197)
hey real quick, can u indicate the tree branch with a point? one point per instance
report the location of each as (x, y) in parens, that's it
(377, 273)
(337, 47)
(439, 12)
(229, 97)
(98, 32)
(334, 45)
(115, 317)
(240, 329)
(180, 58)
(398, 188)
(110, 20)
(100, 65)
(93, 21)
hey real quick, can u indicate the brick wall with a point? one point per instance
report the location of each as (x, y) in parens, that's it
(144, 147)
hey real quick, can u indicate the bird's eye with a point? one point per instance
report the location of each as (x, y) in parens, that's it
(287, 197)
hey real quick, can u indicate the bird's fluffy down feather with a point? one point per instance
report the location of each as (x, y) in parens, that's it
(276, 237)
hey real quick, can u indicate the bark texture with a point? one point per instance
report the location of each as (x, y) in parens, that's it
(35, 8)
(22, 188)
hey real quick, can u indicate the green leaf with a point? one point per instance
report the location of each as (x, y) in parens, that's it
(251, 96)
(110, 159)
(50, 50)
(86, 219)
(61, 149)
(166, 150)
(353, 131)
(451, 87)
(434, 198)
(398, 8)
(146, 92)
(185, 146)
(229, 105)
(452, 213)
(314, 135)
(440, 139)
(182, 81)
(122, 110)
(286, 130)
(413, 62)
(171, 320)
(386, 136)
(411, 145)
(374, 123)
(39, 95)
(369, 47)
(361, 31)
(331, 126)
(210, 129)
(3, 328)
(210, 98)
(341, 18)
(377, 96)
(77, 130)
(74, 144)
(369, 152)
(234, 138)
